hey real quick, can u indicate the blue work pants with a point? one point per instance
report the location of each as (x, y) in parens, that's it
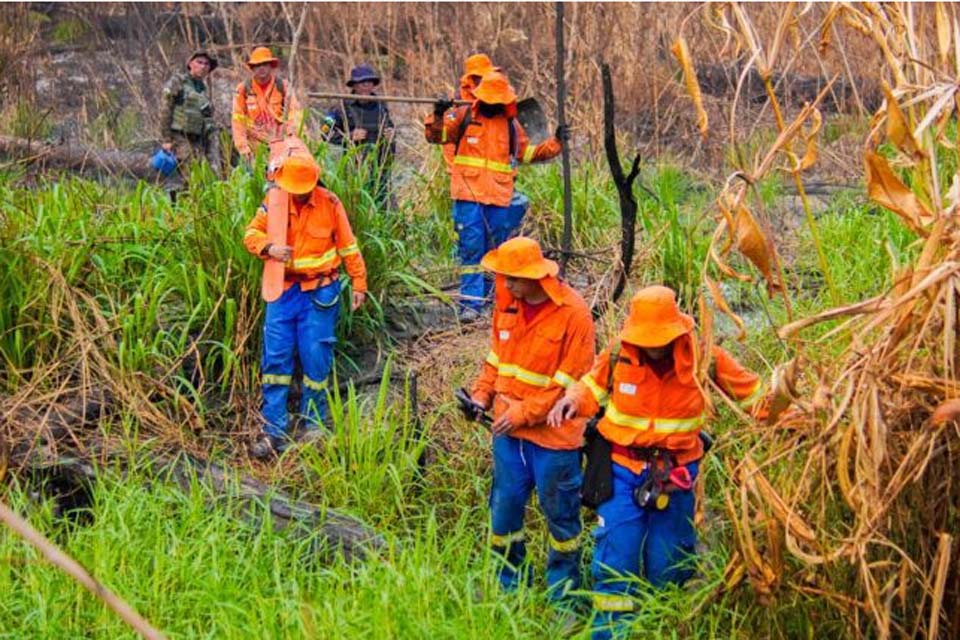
(519, 466)
(299, 323)
(480, 228)
(626, 536)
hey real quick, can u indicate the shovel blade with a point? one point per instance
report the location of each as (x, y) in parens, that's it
(532, 118)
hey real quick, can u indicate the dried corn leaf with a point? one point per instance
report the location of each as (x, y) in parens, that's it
(682, 54)
(898, 129)
(753, 244)
(888, 191)
(721, 303)
(810, 153)
(943, 32)
(783, 389)
(764, 491)
(941, 568)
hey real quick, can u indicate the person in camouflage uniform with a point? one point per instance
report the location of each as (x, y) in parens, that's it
(187, 127)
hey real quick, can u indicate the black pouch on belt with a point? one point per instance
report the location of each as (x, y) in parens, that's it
(598, 475)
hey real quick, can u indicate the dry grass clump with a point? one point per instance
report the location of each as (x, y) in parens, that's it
(853, 494)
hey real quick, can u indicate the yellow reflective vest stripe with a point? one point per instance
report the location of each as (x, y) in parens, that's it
(482, 163)
(314, 262)
(659, 425)
(599, 393)
(349, 250)
(563, 379)
(528, 154)
(509, 370)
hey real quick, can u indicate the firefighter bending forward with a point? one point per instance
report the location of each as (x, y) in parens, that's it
(654, 414)
(303, 320)
(543, 340)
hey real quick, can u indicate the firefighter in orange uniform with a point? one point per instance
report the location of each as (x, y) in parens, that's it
(264, 106)
(303, 320)
(653, 417)
(474, 68)
(488, 143)
(543, 340)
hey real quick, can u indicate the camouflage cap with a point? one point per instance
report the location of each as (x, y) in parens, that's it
(206, 54)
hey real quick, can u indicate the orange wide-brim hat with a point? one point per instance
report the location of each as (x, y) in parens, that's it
(655, 320)
(520, 257)
(297, 175)
(479, 64)
(495, 88)
(262, 55)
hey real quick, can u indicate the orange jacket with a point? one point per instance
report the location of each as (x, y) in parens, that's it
(482, 169)
(321, 237)
(646, 411)
(467, 86)
(259, 113)
(529, 366)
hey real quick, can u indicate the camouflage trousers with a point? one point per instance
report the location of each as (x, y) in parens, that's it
(191, 148)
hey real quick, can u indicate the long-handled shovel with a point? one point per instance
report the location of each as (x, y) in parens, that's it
(529, 112)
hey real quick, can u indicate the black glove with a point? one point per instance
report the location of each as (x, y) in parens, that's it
(562, 133)
(441, 106)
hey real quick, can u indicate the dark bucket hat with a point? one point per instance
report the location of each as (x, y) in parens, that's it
(363, 73)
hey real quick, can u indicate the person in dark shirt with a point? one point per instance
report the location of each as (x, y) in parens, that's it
(366, 124)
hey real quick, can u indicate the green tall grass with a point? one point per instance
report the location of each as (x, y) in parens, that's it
(149, 281)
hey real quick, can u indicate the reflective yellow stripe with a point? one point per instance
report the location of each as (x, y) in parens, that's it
(563, 379)
(349, 250)
(753, 398)
(528, 154)
(443, 135)
(254, 232)
(607, 602)
(313, 262)
(599, 394)
(565, 546)
(493, 359)
(309, 383)
(508, 370)
(659, 425)
(506, 539)
(239, 117)
(273, 378)
(471, 268)
(482, 163)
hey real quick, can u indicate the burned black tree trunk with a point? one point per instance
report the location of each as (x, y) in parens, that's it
(624, 183)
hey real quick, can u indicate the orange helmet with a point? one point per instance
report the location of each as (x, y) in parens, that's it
(297, 175)
(495, 88)
(477, 65)
(655, 320)
(262, 55)
(520, 257)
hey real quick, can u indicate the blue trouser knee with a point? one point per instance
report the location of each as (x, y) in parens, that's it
(301, 323)
(520, 466)
(480, 228)
(626, 536)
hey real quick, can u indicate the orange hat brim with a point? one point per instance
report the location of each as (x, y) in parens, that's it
(537, 271)
(292, 185)
(492, 96)
(657, 335)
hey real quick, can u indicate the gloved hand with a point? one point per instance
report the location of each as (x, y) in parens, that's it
(441, 105)
(562, 133)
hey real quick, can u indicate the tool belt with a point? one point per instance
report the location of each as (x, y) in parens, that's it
(322, 279)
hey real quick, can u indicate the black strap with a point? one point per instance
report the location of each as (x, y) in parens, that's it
(614, 358)
(511, 131)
